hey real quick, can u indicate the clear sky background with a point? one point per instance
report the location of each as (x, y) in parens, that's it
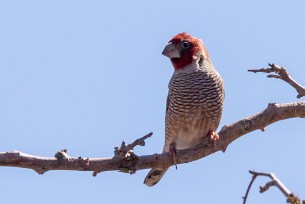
(85, 75)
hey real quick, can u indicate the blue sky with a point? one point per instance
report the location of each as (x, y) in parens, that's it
(87, 75)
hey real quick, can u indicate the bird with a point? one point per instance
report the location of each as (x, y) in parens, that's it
(195, 98)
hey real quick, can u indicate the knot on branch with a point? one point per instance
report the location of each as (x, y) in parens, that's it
(62, 155)
(128, 159)
(84, 163)
(293, 199)
(247, 125)
(126, 155)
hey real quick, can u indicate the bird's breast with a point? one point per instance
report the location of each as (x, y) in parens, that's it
(195, 105)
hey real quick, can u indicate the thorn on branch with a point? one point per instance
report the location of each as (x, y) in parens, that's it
(40, 171)
(94, 174)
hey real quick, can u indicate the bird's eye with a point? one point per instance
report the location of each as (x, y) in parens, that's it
(185, 44)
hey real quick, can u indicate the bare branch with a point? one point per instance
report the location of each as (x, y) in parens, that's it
(291, 198)
(125, 160)
(249, 187)
(129, 162)
(281, 73)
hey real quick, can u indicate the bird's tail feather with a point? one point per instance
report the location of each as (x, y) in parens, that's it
(154, 176)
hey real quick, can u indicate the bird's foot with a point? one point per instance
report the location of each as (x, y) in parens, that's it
(214, 137)
(173, 152)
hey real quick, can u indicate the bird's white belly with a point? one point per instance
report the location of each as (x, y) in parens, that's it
(186, 134)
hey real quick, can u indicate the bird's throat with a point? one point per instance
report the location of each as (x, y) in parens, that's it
(180, 63)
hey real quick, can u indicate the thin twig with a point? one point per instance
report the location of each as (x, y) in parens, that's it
(248, 189)
(138, 142)
(281, 73)
(291, 198)
(124, 149)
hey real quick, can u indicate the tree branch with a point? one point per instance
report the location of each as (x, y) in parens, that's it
(126, 161)
(291, 198)
(281, 73)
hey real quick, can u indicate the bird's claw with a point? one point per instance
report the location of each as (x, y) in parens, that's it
(214, 137)
(173, 152)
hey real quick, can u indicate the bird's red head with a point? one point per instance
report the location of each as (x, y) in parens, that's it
(183, 49)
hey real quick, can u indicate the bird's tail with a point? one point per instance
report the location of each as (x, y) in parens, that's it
(154, 176)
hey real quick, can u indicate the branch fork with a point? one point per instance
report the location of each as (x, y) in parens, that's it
(127, 156)
(291, 198)
(281, 73)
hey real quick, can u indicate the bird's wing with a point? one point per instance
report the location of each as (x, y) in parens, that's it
(167, 104)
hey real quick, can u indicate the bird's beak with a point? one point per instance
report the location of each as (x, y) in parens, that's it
(170, 51)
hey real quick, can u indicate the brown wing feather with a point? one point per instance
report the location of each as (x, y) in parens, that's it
(167, 104)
